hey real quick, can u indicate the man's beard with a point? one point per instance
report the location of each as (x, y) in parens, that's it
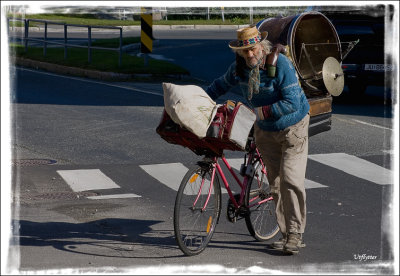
(259, 60)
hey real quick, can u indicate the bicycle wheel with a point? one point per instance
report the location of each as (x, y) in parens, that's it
(261, 218)
(194, 225)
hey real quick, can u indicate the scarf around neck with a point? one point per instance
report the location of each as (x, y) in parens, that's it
(254, 78)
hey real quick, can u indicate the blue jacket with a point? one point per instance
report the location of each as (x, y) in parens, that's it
(287, 101)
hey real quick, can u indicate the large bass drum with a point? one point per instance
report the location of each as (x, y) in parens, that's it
(311, 39)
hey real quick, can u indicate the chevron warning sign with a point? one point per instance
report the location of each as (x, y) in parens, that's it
(146, 34)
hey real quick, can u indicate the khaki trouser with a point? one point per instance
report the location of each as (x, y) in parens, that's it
(285, 156)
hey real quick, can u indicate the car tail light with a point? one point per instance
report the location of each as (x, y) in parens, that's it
(349, 66)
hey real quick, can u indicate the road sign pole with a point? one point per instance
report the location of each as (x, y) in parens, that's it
(146, 34)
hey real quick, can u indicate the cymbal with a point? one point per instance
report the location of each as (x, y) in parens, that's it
(333, 77)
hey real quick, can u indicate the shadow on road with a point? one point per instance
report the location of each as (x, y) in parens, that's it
(122, 238)
(32, 89)
(375, 103)
(251, 245)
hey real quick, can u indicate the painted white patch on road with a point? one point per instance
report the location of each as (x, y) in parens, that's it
(355, 166)
(169, 174)
(84, 180)
(113, 196)
(309, 184)
(235, 163)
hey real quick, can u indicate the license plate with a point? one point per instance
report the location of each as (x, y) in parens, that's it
(379, 67)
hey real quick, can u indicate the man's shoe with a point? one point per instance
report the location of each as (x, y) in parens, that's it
(294, 242)
(279, 243)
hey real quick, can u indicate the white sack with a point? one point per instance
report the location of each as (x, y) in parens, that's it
(190, 107)
(241, 126)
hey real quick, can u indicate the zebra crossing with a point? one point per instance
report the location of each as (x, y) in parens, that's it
(171, 174)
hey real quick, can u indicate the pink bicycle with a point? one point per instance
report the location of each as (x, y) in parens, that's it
(198, 202)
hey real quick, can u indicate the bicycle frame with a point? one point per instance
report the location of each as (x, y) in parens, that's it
(242, 185)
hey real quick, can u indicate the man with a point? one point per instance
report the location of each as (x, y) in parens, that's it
(281, 129)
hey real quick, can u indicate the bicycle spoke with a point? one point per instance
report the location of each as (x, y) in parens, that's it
(197, 208)
(261, 221)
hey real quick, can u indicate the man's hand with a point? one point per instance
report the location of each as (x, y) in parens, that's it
(263, 112)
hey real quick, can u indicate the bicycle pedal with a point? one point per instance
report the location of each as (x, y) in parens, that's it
(230, 213)
(231, 217)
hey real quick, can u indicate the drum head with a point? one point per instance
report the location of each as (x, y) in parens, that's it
(333, 76)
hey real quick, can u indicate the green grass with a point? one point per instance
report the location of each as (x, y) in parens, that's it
(233, 21)
(102, 60)
(81, 20)
(89, 20)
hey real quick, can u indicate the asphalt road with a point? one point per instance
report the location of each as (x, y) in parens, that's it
(108, 130)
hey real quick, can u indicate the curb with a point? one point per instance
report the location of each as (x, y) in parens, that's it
(136, 46)
(79, 72)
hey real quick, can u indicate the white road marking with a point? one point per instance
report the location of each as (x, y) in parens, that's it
(169, 174)
(355, 166)
(84, 180)
(159, 57)
(309, 184)
(369, 124)
(113, 196)
(235, 163)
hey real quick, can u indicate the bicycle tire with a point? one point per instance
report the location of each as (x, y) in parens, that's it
(261, 219)
(194, 227)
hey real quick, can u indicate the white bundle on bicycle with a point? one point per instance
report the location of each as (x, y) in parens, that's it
(232, 124)
(190, 107)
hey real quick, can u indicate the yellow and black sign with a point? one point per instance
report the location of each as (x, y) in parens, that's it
(146, 34)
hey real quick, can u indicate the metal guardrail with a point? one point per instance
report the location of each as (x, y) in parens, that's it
(45, 40)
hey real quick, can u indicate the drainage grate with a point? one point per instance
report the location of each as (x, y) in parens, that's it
(64, 195)
(33, 162)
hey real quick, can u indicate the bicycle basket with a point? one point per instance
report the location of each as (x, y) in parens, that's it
(229, 131)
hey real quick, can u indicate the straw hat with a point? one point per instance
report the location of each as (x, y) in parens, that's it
(247, 37)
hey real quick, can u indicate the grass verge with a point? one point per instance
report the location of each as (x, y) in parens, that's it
(102, 60)
(81, 20)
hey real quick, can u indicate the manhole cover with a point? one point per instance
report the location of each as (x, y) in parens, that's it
(33, 162)
(64, 195)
